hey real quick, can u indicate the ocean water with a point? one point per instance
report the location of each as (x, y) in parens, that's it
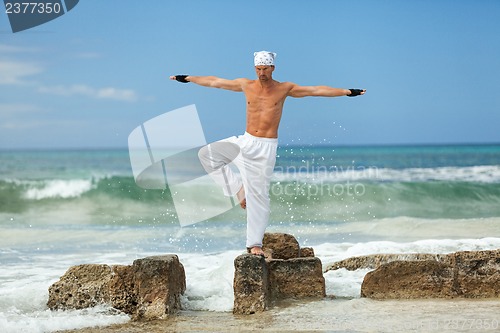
(63, 208)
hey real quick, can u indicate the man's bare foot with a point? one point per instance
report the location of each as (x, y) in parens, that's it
(256, 250)
(241, 198)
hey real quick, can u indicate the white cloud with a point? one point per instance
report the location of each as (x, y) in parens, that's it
(15, 72)
(39, 123)
(88, 55)
(118, 94)
(8, 109)
(4, 48)
(126, 95)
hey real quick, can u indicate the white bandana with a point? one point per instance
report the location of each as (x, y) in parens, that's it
(264, 58)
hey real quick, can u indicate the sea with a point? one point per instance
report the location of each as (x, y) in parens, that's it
(60, 208)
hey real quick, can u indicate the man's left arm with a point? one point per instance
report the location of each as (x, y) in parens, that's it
(323, 91)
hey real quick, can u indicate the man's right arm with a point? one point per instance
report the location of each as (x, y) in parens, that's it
(214, 82)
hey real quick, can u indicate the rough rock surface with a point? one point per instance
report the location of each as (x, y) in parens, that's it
(150, 288)
(374, 261)
(283, 246)
(284, 274)
(81, 287)
(469, 274)
(306, 252)
(159, 283)
(251, 287)
(296, 278)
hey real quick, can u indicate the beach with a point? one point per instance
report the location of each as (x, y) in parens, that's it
(77, 207)
(334, 316)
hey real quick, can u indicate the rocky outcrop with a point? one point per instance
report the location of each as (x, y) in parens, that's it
(374, 261)
(149, 288)
(288, 272)
(469, 274)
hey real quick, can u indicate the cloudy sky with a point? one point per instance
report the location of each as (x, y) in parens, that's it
(88, 78)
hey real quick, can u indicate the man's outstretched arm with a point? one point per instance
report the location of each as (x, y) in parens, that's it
(211, 81)
(323, 91)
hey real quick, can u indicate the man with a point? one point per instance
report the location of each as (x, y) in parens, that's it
(254, 153)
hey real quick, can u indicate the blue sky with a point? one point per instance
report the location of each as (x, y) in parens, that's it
(88, 78)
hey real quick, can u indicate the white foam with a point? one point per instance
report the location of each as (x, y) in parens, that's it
(484, 174)
(209, 278)
(209, 281)
(12, 321)
(58, 188)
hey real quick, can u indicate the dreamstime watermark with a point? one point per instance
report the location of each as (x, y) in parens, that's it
(25, 15)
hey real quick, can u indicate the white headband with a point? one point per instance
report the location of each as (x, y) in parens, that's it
(264, 58)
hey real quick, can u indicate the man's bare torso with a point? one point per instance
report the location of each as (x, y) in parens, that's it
(264, 106)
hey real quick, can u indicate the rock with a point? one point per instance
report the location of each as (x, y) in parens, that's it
(159, 282)
(409, 279)
(283, 246)
(121, 289)
(306, 252)
(251, 287)
(376, 260)
(469, 274)
(150, 288)
(81, 287)
(296, 278)
(258, 282)
(477, 273)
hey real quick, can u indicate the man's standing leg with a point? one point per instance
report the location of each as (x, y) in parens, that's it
(258, 158)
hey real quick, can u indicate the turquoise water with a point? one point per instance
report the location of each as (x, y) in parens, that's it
(328, 184)
(61, 208)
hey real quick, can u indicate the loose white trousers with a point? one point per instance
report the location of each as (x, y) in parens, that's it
(255, 158)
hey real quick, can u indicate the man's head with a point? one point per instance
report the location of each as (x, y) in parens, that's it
(264, 64)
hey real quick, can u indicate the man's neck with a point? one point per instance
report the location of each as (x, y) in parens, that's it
(267, 83)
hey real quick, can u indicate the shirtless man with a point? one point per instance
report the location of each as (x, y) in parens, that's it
(256, 149)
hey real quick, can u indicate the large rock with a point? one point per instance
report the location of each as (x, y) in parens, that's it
(296, 278)
(469, 274)
(251, 286)
(150, 288)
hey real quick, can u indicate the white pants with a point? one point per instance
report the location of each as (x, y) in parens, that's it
(255, 158)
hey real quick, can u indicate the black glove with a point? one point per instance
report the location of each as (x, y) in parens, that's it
(181, 78)
(355, 92)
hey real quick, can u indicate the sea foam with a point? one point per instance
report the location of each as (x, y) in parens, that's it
(58, 188)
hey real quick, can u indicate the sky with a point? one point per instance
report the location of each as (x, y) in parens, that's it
(90, 77)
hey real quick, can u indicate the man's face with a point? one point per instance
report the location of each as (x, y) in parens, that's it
(264, 73)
